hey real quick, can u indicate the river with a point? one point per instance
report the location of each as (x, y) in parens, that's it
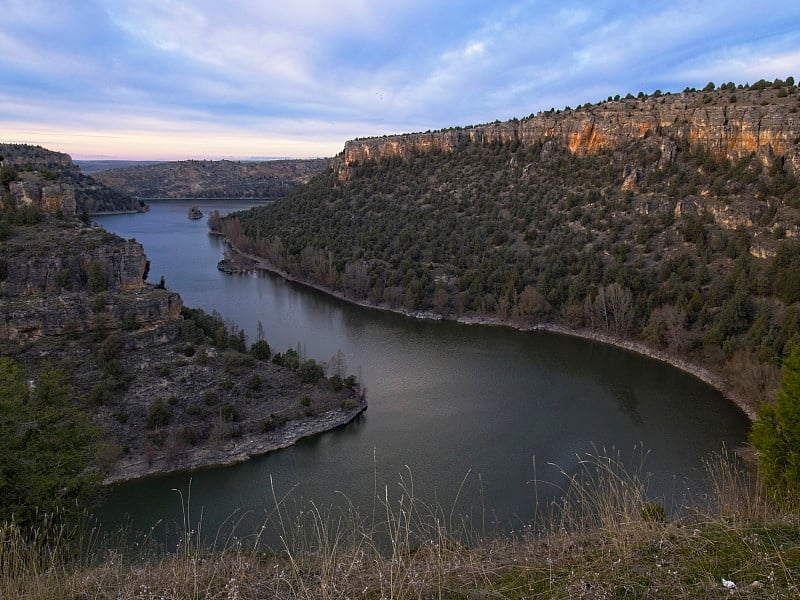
(483, 419)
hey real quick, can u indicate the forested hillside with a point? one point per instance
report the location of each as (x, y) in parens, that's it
(213, 178)
(657, 237)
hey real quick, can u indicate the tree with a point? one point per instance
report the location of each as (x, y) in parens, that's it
(611, 310)
(666, 328)
(531, 303)
(261, 350)
(355, 280)
(310, 371)
(338, 364)
(97, 279)
(46, 448)
(776, 435)
(7, 174)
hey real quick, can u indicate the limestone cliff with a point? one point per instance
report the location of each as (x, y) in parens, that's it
(728, 123)
(50, 182)
(60, 277)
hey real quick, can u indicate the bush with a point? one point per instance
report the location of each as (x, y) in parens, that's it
(310, 371)
(97, 279)
(261, 350)
(776, 435)
(229, 413)
(336, 383)
(7, 174)
(237, 363)
(158, 415)
(254, 383)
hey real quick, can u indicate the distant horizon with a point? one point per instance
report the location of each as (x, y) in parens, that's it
(221, 158)
(170, 80)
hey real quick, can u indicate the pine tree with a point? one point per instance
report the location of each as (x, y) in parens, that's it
(776, 435)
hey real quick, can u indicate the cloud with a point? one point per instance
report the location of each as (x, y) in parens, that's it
(248, 68)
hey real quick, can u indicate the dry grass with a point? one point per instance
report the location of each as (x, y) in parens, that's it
(602, 540)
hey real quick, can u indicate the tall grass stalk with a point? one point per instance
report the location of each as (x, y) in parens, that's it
(602, 538)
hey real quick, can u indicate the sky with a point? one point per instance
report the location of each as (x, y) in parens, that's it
(252, 79)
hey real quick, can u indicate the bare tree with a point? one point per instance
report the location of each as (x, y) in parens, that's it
(612, 309)
(260, 335)
(338, 364)
(666, 328)
(531, 303)
(440, 299)
(355, 280)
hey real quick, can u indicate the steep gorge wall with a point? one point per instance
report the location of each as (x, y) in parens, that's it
(47, 287)
(758, 121)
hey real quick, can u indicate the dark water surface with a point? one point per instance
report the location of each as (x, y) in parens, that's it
(488, 407)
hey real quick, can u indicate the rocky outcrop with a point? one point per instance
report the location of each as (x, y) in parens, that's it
(50, 182)
(28, 157)
(56, 198)
(758, 121)
(73, 279)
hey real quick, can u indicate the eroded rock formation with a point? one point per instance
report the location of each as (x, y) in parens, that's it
(756, 121)
(60, 277)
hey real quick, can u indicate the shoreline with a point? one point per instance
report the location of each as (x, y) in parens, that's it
(238, 450)
(702, 373)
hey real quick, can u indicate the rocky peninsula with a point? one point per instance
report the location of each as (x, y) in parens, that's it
(170, 388)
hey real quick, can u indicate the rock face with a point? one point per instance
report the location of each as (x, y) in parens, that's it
(56, 198)
(758, 121)
(72, 279)
(50, 182)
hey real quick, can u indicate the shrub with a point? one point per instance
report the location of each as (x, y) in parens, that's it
(310, 371)
(158, 415)
(97, 279)
(100, 395)
(229, 413)
(336, 383)
(261, 350)
(99, 303)
(7, 174)
(237, 363)
(776, 435)
(187, 435)
(254, 383)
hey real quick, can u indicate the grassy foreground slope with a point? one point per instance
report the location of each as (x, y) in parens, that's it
(602, 541)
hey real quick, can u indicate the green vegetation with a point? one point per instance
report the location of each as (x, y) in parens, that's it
(776, 435)
(158, 414)
(261, 350)
(46, 449)
(654, 240)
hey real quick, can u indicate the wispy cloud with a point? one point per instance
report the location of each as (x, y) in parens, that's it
(178, 78)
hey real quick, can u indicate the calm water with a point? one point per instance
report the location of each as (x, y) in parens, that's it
(448, 403)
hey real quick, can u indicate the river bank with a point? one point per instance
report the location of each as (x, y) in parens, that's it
(237, 450)
(711, 378)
